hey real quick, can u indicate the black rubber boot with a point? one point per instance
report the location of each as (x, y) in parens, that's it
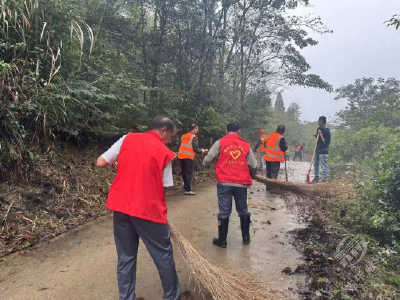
(245, 226)
(222, 233)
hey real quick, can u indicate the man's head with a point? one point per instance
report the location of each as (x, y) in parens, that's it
(281, 129)
(194, 128)
(165, 127)
(322, 121)
(261, 131)
(234, 127)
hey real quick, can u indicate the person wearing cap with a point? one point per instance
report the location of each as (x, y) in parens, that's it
(275, 152)
(261, 144)
(187, 152)
(137, 199)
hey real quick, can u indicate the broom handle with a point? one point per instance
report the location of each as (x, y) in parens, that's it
(315, 150)
(286, 169)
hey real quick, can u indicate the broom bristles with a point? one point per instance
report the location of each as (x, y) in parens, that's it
(220, 283)
(304, 190)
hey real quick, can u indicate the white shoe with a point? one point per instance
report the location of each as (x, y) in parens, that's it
(191, 193)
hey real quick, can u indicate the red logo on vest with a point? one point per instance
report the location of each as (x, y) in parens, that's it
(232, 161)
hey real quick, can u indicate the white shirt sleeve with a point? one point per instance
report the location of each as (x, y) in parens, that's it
(111, 155)
(168, 179)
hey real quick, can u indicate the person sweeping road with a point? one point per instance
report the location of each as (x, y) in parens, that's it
(261, 144)
(137, 198)
(187, 152)
(299, 152)
(275, 152)
(235, 168)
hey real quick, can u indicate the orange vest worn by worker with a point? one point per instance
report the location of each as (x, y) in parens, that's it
(287, 151)
(186, 148)
(298, 148)
(264, 139)
(273, 152)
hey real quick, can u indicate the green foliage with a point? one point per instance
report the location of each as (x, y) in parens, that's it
(279, 104)
(382, 194)
(357, 145)
(369, 138)
(370, 103)
(85, 70)
(394, 21)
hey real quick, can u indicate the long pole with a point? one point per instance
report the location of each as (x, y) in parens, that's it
(286, 168)
(312, 160)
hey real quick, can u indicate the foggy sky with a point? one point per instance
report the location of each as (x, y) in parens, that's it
(360, 46)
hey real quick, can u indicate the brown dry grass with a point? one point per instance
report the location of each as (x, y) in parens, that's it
(221, 284)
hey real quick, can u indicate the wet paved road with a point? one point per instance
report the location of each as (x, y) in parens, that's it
(81, 264)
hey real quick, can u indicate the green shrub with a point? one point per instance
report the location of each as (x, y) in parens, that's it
(356, 145)
(381, 195)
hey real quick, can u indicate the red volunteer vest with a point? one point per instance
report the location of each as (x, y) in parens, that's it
(138, 188)
(232, 161)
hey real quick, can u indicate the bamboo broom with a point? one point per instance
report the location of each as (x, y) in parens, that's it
(220, 283)
(304, 190)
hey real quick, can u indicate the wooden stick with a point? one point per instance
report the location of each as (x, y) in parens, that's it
(8, 210)
(312, 160)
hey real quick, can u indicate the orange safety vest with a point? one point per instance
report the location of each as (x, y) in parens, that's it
(186, 148)
(273, 152)
(298, 148)
(288, 151)
(264, 138)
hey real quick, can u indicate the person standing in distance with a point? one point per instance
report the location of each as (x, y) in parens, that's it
(235, 168)
(137, 198)
(261, 144)
(187, 152)
(321, 154)
(275, 152)
(299, 152)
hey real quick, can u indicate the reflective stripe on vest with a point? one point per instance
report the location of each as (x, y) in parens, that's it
(273, 151)
(264, 139)
(186, 148)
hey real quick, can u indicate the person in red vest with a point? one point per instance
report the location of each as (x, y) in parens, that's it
(137, 198)
(261, 144)
(235, 168)
(187, 152)
(275, 152)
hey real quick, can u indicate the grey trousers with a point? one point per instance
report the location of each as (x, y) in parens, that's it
(156, 237)
(225, 194)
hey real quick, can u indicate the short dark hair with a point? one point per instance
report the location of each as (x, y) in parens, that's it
(193, 127)
(322, 119)
(281, 129)
(163, 122)
(233, 127)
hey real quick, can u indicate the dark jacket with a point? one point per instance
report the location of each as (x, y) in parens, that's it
(196, 147)
(323, 148)
(283, 145)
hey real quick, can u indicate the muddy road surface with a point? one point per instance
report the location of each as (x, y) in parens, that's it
(82, 264)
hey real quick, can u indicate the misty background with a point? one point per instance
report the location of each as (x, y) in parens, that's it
(361, 45)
